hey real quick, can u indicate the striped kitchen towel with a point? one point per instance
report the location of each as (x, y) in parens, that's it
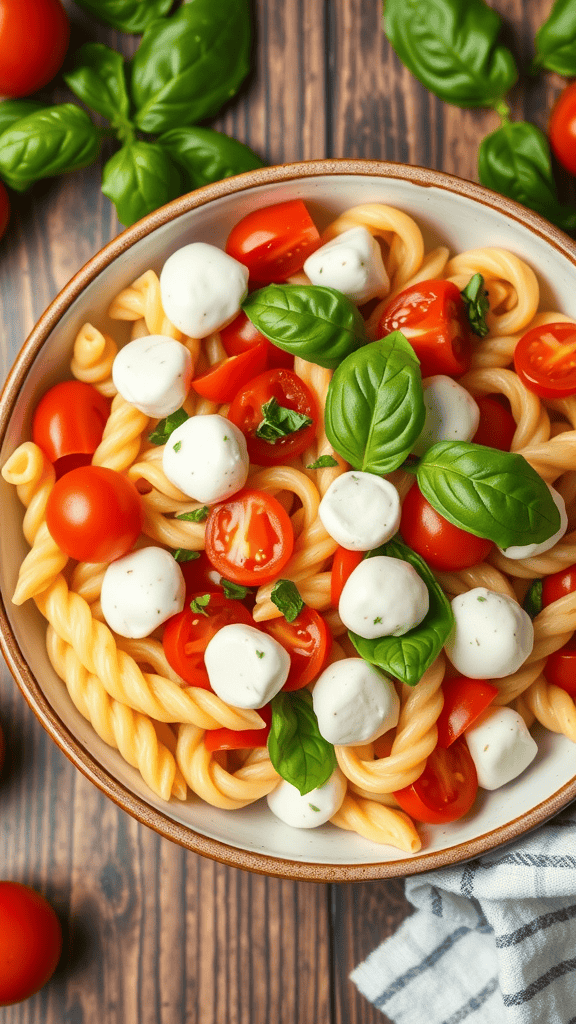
(493, 941)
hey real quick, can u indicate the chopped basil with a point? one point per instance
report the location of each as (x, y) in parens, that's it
(182, 555)
(279, 422)
(234, 591)
(286, 597)
(323, 462)
(533, 600)
(477, 305)
(259, 654)
(165, 427)
(313, 807)
(199, 604)
(198, 515)
(177, 446)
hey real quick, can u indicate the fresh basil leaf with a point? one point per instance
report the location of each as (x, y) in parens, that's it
(298, 752)
(199, 604)
(198, 515)
(451, 46)
(165, 427)
(138, 179)
(489, 493)
(319, 324)
(189, 65)
(205, 155)
(407, 657)
(286, 596)
(48, 142)
(375, 406)
(324, 462)
(278, 421)
(98, 80)
(12, 111)
(532, 602)
(515, 161)
(126, 15)
(234, 591)
(477, 305)
(183, 555)
(556, 40)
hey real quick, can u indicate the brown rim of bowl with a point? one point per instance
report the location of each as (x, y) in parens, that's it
(69, 744)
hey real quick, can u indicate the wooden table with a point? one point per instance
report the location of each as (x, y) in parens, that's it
(154, 934)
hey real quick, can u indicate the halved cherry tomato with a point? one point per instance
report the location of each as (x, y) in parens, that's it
(343, 566)
(246, 413)
(308, 641)
(497, 425)
(464, 700)
(241, 335)
(274, 241)
(199, 573)
(30, 942)
(443, 545)
(545, 360)
(34, 38)
(249, 538)
(5, 211)
(187, 634)
(446, 789)
(562, 128)
(560, 668)
(223, 380)
(68, 424)
(433, 317)
(94, 514)
(243, 739)
(558, 585)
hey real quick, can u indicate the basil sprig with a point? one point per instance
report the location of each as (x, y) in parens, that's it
(278, 421)
(297, 751)
(100, 82)
(407, 657)
(48, 142)
(165, 427)
(477, 304)
(556, 40)
(126, 15)
(204, 155)
(532, 603)
(492, 494)
(375, 406)
(286, 596)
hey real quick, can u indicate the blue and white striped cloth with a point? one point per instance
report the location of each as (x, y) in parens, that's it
(493, 941)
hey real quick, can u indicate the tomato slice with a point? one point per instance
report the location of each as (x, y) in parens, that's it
(243, 739)
(308, 641)
(443, 545)
(560, 669)
(246, 413)
(68, 424)
(241, 335)
(464, 700)
(343, 566)
(274, 241)
(446, 789)
(249, 538)
(545, 360)
(558, 585)
(497, 425)
(221, 382)
(432, 315)
(562, 128)
(187, 634)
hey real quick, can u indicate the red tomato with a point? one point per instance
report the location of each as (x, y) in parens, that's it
(560, 669)
(308, 641)
(446, 789)
(94, 514)
(464, 700)
(187, 634)
(562, 128)
(221, 382)
(249, 538)
(558, 585)
(441, 544)
(241, 335)
(275, 241)
(497, 425)
(343, 566)
(68, 424)
(30, 942)
(34, 37)
(200, 576)
(246, 413)
(545, 360)
(244, 739)
(433, 317)
(5, 210)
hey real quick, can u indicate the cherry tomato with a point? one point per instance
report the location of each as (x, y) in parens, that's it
(497, 425)
(249, 538)
(558, 585)
(343, 566)
(244, 739)
(94, 514)
(34, 37)
(274, 241)
(30, 942)
(68, 424)
(187, 634)
(464, 700)
(200, 576)
(433, 317)
(5, 211)
(562, 128)
(560, 668)
(446, 789)
(241, 335)
(545, 360)
(441, 544)
(308, 641)
(246, 413)
(221, 382)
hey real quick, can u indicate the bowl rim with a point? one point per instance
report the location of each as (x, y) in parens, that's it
(135, 805)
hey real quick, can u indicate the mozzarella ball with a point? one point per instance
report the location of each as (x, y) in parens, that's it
(528, 550)
(312, 809)
(246, 667)
(352, 263)
(360, 510)
(383, 597)
(354, 702)
(500, 746)
(142, 590)
(207, 458)
(153, 374)
(451, 413)
(492, 636)
(202, 288)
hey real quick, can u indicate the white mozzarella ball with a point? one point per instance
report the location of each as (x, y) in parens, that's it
(352, 263)
(354, 702)
(202, 288)
(207, 458)
(528, 550)
(246, 667)
(501, 747)
(141, 591)
(451, 413)
(360, 510)
(492, 636)
(312, 809)
(383, 597)
(153, 374)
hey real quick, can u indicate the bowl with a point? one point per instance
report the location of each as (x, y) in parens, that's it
(451, 211)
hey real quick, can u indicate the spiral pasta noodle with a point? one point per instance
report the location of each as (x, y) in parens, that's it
(92, 359)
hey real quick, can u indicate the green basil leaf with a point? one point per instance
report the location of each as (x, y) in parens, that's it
(280, 422)
(99, 81)
(183, 555)
(375, 405)
(48, 142)
(234, 591)
(138, 179)
(286, 596)
(198, 515)
(12, 111)
(451, 46)
(407, 657)
(199, 604)
(532, 602)
(164, 427)
(189, 65)
(515, 161)
(319, 324)
(298, 752)
(477, 304)
(324, 462)
(487, 492)
(126, 15)
(205, 155)
(556, 40)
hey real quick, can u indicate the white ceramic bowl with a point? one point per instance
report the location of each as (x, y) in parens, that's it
(458, 213)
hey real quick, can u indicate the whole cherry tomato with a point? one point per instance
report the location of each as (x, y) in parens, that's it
(343, 566)
(558, 585)
(94, 514)
(34, 37)
(562, 128)
(497, 425)
(464, 700)
(446, 789)
(308, 641)
(30, 942)
(443, 545)
(246, 413)
(545, 360)
(187, 634)
(5, 210)
(243, 739)
(68, 424)
(560, 668)
(249, 538)
(433, 317)
(221, 382)
(274, 241)
(241, 335)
